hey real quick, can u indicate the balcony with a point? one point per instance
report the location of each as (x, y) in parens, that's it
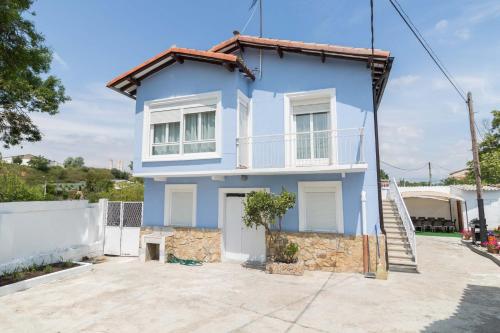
(326, 149)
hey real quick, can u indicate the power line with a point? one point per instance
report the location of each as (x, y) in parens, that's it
(428, 48)
(249, 18)
(403, 169)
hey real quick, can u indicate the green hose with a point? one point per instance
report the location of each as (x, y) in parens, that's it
(188, 262)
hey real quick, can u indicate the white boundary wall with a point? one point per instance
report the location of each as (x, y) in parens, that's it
(48, 231)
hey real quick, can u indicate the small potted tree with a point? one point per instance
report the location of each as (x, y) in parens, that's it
(267, 210)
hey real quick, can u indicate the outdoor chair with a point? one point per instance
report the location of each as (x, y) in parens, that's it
(450, 226)
(427, 225)
(418, 225)
(438, 224)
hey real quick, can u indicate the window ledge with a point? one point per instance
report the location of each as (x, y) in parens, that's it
(187, 157)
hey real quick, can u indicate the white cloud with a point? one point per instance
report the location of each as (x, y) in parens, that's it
(441, 25)
(59, 60)
(404, 80)
(94, 124)
(463, 34)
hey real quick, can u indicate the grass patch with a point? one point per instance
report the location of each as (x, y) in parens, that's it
(438, 234)
(34, 271)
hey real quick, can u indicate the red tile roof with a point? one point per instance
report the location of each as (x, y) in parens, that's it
(221, 54)
(244, 40)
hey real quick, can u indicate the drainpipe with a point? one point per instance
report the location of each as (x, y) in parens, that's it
(364, 232)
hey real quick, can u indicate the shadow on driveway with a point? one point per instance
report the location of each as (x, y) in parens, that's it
(478, 311)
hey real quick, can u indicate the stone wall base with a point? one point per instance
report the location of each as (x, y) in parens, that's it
(334, 252)
(191, 243)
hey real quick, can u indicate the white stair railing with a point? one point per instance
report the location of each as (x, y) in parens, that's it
(395, 195)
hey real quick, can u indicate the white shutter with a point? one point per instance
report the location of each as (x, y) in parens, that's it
(311, 108)
(169, 116)
(198, 109)
(181, 210)
(321, 211)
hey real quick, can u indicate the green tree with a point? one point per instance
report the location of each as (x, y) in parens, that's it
(13, 188)
(24, 84)
(383, 174)
(17, 160)
(78, 162)
(264, 209)
(68, 162)
(489, 154)
(74, 162)
(117, 174)
(39, 163)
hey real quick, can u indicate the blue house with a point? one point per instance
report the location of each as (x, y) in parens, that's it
(260, 114)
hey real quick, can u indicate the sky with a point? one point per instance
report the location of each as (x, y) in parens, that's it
(422, 119)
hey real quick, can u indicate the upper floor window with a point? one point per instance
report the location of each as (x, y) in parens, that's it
(310, 124)
(182, 128)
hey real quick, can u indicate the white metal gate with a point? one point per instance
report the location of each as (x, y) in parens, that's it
(123, 226)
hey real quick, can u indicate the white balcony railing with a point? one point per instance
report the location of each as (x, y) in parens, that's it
(316, 148)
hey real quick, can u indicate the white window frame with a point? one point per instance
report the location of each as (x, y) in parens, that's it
(181, 102)
(248, 102)
(289, 121)
(336, 186)
(167, 210)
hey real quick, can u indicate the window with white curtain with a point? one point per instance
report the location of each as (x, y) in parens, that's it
(187, 128)
(180, 205)
(320, 206)
(312, 128)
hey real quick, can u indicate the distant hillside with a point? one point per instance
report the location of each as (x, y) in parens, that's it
(25, 183)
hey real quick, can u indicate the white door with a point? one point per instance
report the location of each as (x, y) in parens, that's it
(123, 227)
(112, 232)
(241, 243)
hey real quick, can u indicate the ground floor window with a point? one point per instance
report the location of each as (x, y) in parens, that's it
(320, 206)
(180, 205)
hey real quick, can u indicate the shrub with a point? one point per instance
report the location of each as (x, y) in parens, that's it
(13, 188)
(265, 209)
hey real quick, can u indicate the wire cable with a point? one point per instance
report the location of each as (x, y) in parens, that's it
(249, 18)
(403, 169)
(399, 9)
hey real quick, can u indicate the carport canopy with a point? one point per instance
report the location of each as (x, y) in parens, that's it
(431, 195)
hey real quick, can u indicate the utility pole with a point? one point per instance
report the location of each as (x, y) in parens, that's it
(430, 174)
(477, 169)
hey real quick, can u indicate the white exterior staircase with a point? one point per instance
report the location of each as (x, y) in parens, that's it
(400, 233)
(398, 247)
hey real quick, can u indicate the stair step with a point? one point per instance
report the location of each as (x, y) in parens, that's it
(403, 268)
(400, 255)
(394, 249)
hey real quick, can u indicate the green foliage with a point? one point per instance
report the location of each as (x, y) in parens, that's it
(117, 174)
(13, 188)
(489, 154)
(17, 160)
(383, 174)
(76, 162)
(24, 85)
(128, 192)
(290, 252)
(39, 163)
(98, 180)
(264, 209)
(454, 181)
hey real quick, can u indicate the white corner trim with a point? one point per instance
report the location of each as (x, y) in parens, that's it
(182, 102)
(336, 186)
(248, 102)
(167, 210)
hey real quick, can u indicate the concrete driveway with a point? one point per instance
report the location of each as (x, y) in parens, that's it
(456, 291)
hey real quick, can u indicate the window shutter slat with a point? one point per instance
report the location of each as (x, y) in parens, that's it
(197, 109)
(311, 108)
(162, 117)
